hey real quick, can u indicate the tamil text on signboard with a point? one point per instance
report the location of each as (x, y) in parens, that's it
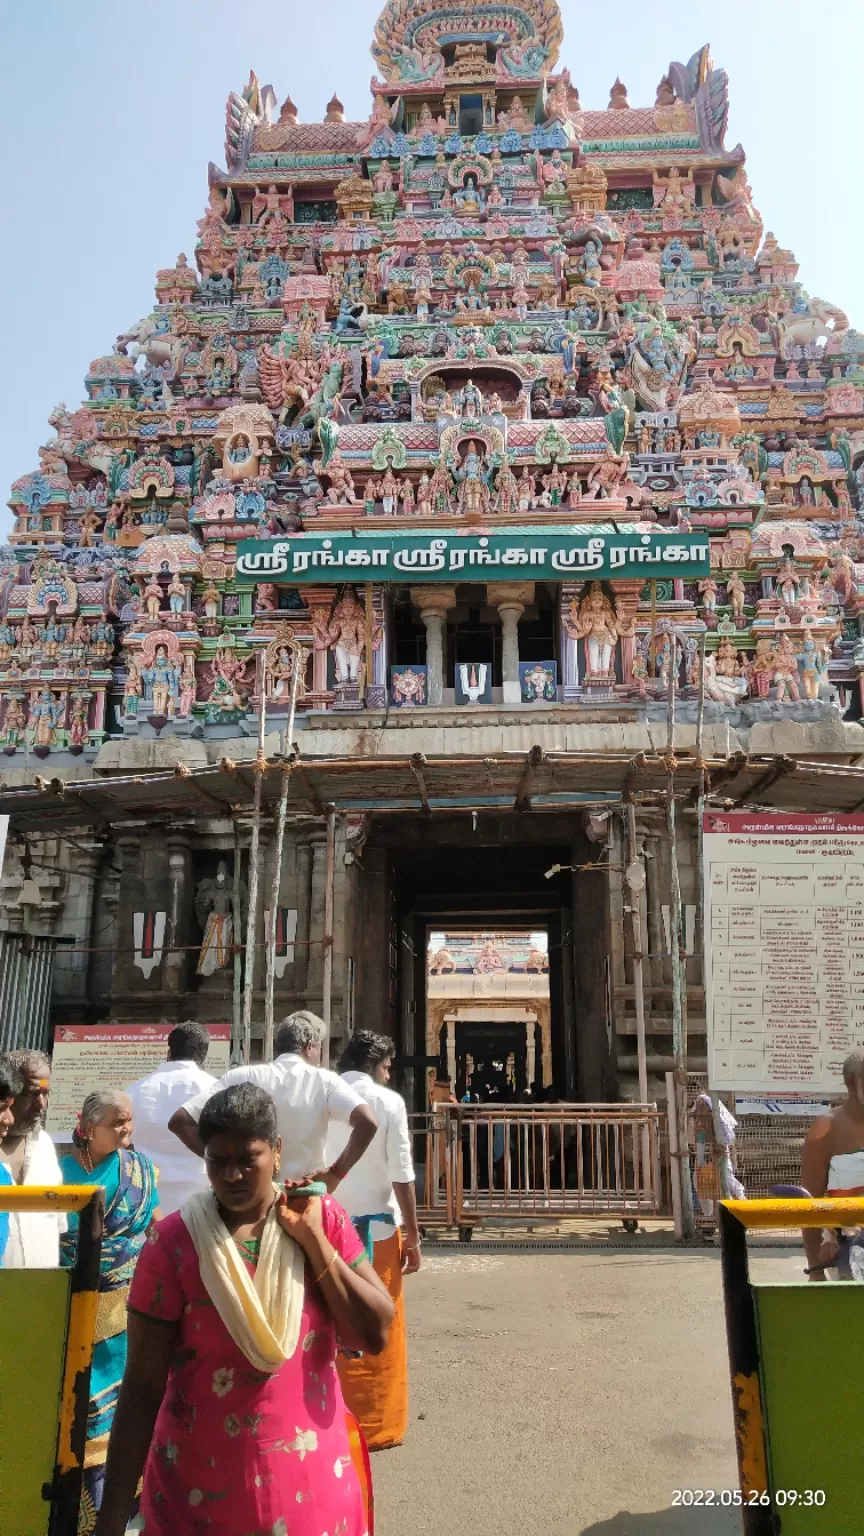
(784, 950)
(87, 1059)
(626, 552)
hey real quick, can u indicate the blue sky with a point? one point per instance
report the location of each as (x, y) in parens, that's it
(113, 111)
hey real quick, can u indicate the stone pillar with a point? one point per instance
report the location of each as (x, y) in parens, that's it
(125, 978)
(451, 1053)
(627, 595)
(378, 686)
(531, 1064)
(569, 594)
(71, 963)
(433, 604)
(511, 599)
(304, 906)
(175, 967)
(315, 972)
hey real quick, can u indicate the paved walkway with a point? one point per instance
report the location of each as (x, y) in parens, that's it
(565, 1396)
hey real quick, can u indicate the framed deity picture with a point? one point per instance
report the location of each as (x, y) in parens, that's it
(538, 681)
(473, 682)
(408, 687)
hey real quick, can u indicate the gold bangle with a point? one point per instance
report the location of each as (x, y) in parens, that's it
(319, 1278)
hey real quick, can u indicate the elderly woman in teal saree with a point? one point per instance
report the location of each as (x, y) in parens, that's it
(103, 1156)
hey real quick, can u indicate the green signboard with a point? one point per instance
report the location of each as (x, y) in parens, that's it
(575, 552)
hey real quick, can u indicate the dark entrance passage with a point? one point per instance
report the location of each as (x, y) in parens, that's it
(487, 871)
(483, 1052)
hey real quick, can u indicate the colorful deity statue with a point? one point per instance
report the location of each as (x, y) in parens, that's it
(737, 595)
(472, 479)
(812, 665)
(176, 594)
(46, 712)
(79, 718)
(727, 686)
(153, 598)
(787, 583)
(227, 693)
(163, 683)
(508, 490)
(347, 635)
(14, 724)
(132, 691)
(598, 625)
(440, 489)
(786, 670)
(471, 400)
(761, 669)
(388, 491)
(210, 602)
(556, 484)
(424, 495)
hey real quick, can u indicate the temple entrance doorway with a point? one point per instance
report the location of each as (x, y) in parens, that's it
(483, 950)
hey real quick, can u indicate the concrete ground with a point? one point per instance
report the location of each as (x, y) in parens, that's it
(565, 1395)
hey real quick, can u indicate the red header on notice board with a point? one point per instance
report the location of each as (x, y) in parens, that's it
(106, 1034)
(778, 823)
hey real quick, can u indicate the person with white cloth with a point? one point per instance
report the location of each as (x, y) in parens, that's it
(31, 1158)
(379, 1196)
(179, 1173)
(307, 1098)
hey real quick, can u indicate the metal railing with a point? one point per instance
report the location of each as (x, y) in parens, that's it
(26, 979)
(767, 1152)
(434, 1143)
(563, 1160)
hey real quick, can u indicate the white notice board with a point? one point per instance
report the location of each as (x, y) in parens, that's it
(784, 950)
(87, 1058)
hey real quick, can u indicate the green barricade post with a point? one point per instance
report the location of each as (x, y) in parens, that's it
(796, 1355)
(47, 1329)
(34, 1310)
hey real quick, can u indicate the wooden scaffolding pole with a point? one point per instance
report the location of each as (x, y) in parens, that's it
(260, 770)
(237, 929)
(275, 888)
(329, 893)
(679, 1035)
(721, 1151)
(635, 881)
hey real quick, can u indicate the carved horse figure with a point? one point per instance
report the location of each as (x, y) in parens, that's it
(803, 329)
(158, 347)
(77, 439)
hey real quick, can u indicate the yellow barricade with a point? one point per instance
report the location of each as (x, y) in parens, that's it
(47, 1327)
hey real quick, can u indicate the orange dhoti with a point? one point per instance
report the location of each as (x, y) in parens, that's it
(375, 1387)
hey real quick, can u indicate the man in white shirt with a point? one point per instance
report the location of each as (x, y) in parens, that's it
(379, 1197)
(30, 1156)
(307, 1098)
(154, 1100)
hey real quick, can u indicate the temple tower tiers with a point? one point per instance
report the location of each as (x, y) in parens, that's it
(494, 404)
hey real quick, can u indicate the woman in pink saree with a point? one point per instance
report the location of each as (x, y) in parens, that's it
(230, 1404)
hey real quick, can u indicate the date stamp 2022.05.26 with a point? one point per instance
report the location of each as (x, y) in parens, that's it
(735, 1498)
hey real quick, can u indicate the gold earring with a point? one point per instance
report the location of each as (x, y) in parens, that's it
(277, 1164)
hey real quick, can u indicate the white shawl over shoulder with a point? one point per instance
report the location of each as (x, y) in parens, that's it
(262, 1315)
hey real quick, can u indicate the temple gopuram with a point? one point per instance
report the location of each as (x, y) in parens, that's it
(472, 437)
